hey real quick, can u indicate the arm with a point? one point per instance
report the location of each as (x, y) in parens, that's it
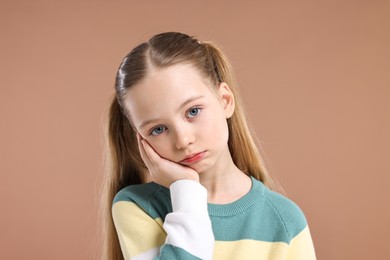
(138, 233)
(188, 227)
(186, 233)
(297, 233)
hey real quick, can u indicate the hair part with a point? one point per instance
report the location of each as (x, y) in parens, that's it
(124, 165)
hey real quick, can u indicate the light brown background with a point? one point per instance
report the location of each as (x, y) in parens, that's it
(314, 76)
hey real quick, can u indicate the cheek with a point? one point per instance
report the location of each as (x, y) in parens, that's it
(215, 129)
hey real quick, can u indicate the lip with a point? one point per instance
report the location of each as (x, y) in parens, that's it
(193, 158)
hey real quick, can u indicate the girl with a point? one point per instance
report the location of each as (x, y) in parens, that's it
(186, 180)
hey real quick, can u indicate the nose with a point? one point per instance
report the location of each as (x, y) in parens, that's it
(184, 137)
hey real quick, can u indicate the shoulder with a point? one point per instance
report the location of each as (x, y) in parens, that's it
(138, 192)
(150, 197)
(289, 212)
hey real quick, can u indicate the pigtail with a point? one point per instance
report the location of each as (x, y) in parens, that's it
(242, 147)
(123, 146)
(123, 167)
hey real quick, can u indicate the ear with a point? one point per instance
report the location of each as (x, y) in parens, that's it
(227, 99)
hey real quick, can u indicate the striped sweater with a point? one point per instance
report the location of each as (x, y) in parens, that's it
(153, 222)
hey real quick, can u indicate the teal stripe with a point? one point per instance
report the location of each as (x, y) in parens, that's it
(154, 199)
(291, 215)
(261, 214)
(265, 221)
(173, 252)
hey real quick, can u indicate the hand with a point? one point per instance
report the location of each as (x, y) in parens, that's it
(163, 171)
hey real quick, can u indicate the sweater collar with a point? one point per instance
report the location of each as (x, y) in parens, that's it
(238, 206)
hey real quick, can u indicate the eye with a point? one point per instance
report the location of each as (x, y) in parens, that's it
(193, 112)
(158, 130)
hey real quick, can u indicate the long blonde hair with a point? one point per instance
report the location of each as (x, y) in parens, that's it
(124, 165)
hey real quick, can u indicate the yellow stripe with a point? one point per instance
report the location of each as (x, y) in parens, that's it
(301, 247)
(249, 249)
(137, 231)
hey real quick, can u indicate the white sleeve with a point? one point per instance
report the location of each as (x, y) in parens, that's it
(189, 227)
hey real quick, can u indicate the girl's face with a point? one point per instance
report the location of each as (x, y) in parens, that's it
(179, 115)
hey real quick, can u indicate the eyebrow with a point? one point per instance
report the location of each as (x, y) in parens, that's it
(191, 99)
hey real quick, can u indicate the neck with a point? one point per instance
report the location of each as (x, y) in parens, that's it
(226, 183)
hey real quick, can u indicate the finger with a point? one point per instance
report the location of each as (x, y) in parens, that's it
(140, 146)
(142, 152)
(139, 138)
(153, 157)
(148, 154)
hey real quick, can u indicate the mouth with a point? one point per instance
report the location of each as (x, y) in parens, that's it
(193, 158)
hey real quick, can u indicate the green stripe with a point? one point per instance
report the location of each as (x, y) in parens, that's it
(173, 252)
(261, 214)
(272, 219)
(154, 199)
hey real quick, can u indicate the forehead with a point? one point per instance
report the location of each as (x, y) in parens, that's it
(164, 90)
